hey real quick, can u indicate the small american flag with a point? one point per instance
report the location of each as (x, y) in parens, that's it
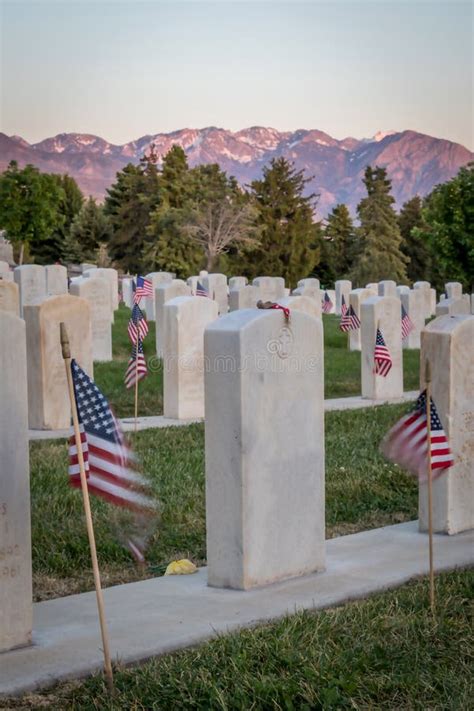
(110, 465)
(327, 303)
(142, 288)
(406, 443)
(407, 324)
(350, 321)
(200, 290)
(136, 369)
(137, 326)
(343, 306)
(382, 357)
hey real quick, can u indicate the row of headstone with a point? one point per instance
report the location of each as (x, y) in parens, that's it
(36, 283)
(265, 510)
(5, 272)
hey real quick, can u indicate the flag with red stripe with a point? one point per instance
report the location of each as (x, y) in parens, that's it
(382, 358)
(343, 306)
(143, 287)
(350, 321)
(200, 290)
(137, 325)
(136, 368)
(406, 443)
(110, 465)
(327, 304)
(407, 323)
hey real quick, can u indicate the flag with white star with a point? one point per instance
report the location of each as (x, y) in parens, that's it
(406, 443)
(111, 466)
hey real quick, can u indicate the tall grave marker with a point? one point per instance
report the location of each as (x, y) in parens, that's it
(16, 610)
(264, 470)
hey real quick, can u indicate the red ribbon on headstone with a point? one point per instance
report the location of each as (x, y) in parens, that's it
(273, 305)
(285, 310)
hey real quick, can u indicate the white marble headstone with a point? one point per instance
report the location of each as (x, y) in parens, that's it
(56, 279)
(447, 343)
(48, 397)
(97, 293)
(185, 318)
(264, 468)
(385, 313)
(31, 281)
(163, 293)
(16, 609)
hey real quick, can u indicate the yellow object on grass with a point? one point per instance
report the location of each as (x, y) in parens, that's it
(181, 567)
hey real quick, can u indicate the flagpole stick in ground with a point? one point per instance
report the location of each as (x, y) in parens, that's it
(430, 481)
(136, 376)
(87, 510)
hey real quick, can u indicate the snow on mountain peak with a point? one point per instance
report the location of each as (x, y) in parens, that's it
(380, 135)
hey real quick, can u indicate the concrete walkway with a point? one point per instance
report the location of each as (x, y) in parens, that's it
(158, 421)
(164, 614)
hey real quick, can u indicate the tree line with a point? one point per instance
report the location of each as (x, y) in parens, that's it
(183, 219)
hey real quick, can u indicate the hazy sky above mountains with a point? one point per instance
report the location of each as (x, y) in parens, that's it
(124, 68)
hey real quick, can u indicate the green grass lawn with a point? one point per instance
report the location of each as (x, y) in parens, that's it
(341, 368)
(386, 652)
(362, 491)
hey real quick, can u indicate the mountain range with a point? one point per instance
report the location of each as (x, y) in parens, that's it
(415, 162)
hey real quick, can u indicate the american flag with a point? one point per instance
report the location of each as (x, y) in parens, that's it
(350, 321)
(407, 324)
(343, 306)
(327, 303)
(111, 466)
(143, 287)
(136, 369)
(200, 290)
(137, 325)
(382, 357)
(406, 443)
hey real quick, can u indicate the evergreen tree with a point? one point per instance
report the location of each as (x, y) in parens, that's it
(289, 239)
(54, 246)
(340, 242)
(89, 230)
(167, 245)
(414, 246)
(380, 256)
(129, 204)
(448, 214)
(326, 269)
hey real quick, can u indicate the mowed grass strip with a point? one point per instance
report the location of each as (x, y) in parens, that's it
(342, 377)
(362, 491)
(109, 377)
(387, 652)
(341, 368)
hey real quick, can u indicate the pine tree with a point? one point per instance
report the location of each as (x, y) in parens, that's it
(289, 239)
(341, 241)
(89, 230)
(380, 256)
(129, 204)
(414, 246)
(167, 246)
(72, 252)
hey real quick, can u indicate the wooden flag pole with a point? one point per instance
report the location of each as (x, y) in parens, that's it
(87, 510)
(430, 481)
(136, 376)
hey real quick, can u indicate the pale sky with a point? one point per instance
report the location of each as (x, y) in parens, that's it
(121, 69)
